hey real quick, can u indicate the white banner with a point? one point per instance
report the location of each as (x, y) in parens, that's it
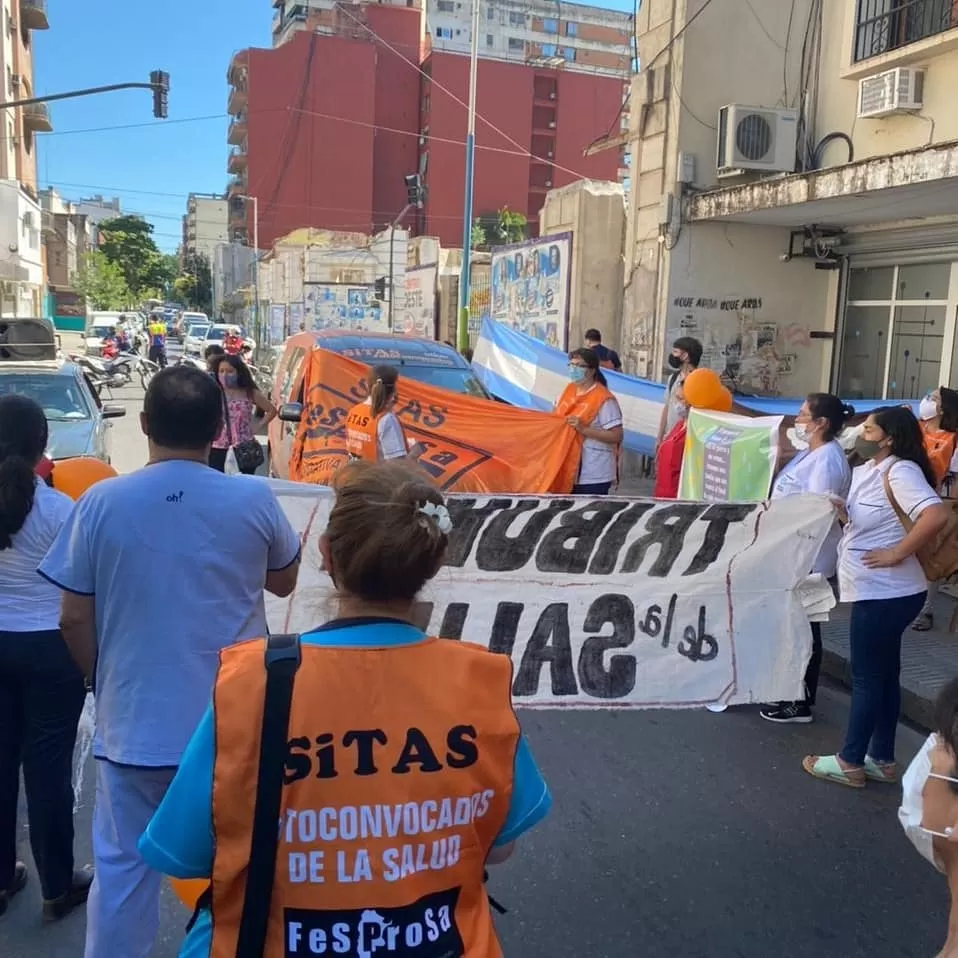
(417, 317)
(611, 603)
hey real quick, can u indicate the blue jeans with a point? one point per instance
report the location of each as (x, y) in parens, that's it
(875, 633)
(591, 489)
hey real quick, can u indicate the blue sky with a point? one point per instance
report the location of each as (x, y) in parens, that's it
(120, 150)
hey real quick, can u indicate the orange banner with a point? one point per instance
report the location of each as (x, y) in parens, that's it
(472, 445)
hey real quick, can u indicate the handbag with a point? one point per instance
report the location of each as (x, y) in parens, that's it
(249, 453)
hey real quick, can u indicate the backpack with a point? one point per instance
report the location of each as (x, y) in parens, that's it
(938, 558)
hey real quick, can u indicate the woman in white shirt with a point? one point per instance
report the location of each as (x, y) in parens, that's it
(822, 469)
(880, 575)
(41, 688)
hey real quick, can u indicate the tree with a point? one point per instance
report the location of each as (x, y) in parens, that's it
(102, 282)
(127, 241)
(478, 238)
(500, 228)
(194, 285)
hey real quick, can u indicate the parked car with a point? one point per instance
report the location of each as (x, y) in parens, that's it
(98, 327)
(79, 422)
(424, 360)
(194, 339)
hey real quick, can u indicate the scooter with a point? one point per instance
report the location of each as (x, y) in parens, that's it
(115, 373)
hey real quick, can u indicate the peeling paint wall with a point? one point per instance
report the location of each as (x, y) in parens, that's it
(755, 315)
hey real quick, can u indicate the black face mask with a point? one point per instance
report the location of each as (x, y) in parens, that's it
(676, 362)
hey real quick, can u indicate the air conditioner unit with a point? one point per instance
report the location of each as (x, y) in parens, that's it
(894, 91)
(549, 154)
(756, 138)
(552, 95)
(552, 124)
(549, 183)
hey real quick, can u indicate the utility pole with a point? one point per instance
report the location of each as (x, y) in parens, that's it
(463, 337)
(159, 84)
(415, 194)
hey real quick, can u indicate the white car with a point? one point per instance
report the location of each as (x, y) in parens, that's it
(195, 339)
(218, 332)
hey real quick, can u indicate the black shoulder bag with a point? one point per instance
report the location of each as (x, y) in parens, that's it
(249, 453)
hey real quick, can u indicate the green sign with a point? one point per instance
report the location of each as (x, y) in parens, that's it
(729, 458)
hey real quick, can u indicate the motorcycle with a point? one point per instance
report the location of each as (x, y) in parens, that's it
(117, 372)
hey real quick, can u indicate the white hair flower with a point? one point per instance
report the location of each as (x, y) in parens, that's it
(440, 514)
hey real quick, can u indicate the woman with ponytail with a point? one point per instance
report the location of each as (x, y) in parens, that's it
(41, 688)
(373, 431)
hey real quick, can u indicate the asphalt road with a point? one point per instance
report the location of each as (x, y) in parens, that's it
(672, 834)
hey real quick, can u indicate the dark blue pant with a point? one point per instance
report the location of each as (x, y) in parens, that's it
(592, 489)
(875, 633)
(41, 698)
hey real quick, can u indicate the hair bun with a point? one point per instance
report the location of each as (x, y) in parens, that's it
(848, 409)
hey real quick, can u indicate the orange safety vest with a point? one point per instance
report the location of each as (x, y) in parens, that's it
(396, 787)
(584, 406)
(362, 433)
(940, 446)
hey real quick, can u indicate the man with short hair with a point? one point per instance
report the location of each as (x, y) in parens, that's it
(608, 358)
(151, 651)
(685, 356)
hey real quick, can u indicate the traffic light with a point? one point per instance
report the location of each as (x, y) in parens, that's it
(415, 190)
(160, 82)
(381, 289)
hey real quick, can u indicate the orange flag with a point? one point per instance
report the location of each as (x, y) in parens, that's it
(472, 445)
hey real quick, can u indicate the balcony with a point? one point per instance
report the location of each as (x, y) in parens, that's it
(236, 187)
(237, 161)
(36, 118)
(239, 64)
(33, 14)
(883, 26)
(237, 215)
(238, 130)
(238, 98)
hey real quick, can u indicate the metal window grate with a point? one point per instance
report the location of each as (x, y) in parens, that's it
(884, 25)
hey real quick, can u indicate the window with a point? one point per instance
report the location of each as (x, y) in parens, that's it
(567, 53)
(490, 13)
(446, 6)
(550, 26)
(516, 44)
(517, 19)
(548, 49)
(490, 40)
(572, 29)
(444, 33)
(883, 25)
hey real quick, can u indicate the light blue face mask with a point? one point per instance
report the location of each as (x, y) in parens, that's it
(576, 373)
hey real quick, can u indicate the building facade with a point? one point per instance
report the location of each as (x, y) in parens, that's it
(66, 240)
(795, 198)
(205, 226)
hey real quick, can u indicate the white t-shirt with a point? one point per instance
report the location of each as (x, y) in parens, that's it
(176, 556)
(28, 603)
(598, 463)
(873, 524)
(392, 440)
(824, 471)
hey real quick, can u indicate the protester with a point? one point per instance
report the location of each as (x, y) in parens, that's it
(685, 356)
(373, 430)
(594, 413)
(41, 689)
(160, 569)
(157, 335)
(880, 575)
(822, 470)
(671, 451)
(938, 413)
(370, 668)
(212, 355)
(241, 397)
(608, 358)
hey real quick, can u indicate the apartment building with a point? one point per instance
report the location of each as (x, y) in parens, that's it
(795, 203)
(96, 209)
(205, 225)
(21, 249)
(66, 240)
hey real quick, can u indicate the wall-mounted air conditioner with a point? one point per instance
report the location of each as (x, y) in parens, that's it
(549, 183)
(893, 91)
(755, 138)
(552, 124)
(552, 95)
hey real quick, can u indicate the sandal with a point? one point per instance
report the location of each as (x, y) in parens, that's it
(829, 769)
(886, 772)
(923, 623)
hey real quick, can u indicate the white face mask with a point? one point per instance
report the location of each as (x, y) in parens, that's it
(927, 409)
(801, 431)
(912, 808)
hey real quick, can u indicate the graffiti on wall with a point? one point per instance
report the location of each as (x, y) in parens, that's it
(739, 339)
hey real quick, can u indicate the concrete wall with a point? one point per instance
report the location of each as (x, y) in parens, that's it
(594, 212)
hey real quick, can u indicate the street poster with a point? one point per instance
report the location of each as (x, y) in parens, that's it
(417, 317)
(729, 458)
(530, 288)
(339, 306)
(610, 602)
(277, 323)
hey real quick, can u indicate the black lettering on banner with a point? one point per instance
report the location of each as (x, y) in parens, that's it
(424, 929)
(607, 554)
(619, 679)
(698, 646)
(582, 527)
(652, 624)
(325, 756)
(454, 620)
(719, 517)
(416, 751)
(412, 409)
(435, 417)
(497, 551)
(666, 528)
(364, 739)
(505, 627)
(461, 744)
(467, 522)
(550, 643)
(298, 764)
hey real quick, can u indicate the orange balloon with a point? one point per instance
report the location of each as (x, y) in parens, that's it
(703, 389)
(726, 401)
(74, 476)
(188, 890)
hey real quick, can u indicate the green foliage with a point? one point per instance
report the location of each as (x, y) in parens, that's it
(500, 228)
(195, 284)
(102, 283)
(478, 238)
(127, 241)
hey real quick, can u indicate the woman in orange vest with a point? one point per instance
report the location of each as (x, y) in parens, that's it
(373, 430)
(405, 769)
(594, 413)
(938, 415)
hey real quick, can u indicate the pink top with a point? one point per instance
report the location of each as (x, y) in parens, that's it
(241, 423)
